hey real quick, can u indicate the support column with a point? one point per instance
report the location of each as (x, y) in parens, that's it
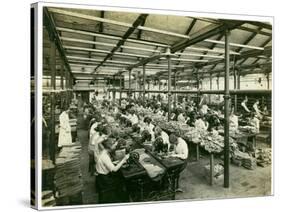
(148, 88)
(267, 79)
(53, 143)
(226, 111)
(159, 84)
(238, 79)
(120, 88)
(70, 87)
(175, 87)
(67, 88)
(197, 86)
(139, 84)
(113, 90)
(235, 87)
(211, 86)
(169, 86)
(62, 84)
(218, 81)
(144, 79)
(130, 83)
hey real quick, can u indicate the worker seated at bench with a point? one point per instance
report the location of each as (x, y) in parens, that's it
(109, 183)
(180, 151)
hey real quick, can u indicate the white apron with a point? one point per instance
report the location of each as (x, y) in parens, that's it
(65, 130)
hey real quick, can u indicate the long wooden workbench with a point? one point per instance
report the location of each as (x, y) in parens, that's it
(142, 188)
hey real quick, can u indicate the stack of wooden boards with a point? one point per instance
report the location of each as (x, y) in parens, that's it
(263, 157)
(249, 163)
(244, 159)
(68, 177)
(48, 199)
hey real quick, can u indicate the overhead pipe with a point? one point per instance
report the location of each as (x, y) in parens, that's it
(232, 92)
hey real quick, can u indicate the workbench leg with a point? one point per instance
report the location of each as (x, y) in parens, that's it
(211, 169)
(254, 142)
(173, 185)
(197, 152)
(140, 182)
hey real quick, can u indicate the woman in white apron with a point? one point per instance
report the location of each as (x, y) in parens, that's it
(65, 129)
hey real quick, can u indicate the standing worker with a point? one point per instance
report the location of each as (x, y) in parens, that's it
(65, 129)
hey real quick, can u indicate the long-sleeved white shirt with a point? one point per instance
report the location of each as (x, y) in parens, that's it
(165, 138)
(92, 130)
(132, 118)
(200, 125)
(243, 104)
(104, 163)
(233, 121)
(181, 118)
(256, 108)
(181, 149)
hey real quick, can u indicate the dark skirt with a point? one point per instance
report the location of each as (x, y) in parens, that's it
(111, 188)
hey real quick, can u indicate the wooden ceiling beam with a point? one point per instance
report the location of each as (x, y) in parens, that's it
(205, 33)
(53, 34)
(119, 23)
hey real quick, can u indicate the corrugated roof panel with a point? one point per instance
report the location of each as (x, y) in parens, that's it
(75, 20)
(121, 16)
(157, 37)
(199, 25)
(239, 36)
(258, 40)
(114, 29)
(176, 24)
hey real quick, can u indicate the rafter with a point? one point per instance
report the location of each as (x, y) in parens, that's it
(136, 23)
(205, 33)
(140, 30)
(50, 26)
(100, 31)
(263, 45)
(261, 24)
(190, 27)
(94, 18)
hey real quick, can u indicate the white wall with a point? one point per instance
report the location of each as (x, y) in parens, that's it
(247, 82)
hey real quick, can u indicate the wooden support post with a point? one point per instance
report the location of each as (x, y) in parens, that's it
(62, 84)
(235, 87)
(114, 90)
(71, 88)
(197, 152)
(120, 90)
(238, 79)
(159, 84)
(197, 86)
(218, 82)
(148, 88)
(175, 87)
(267, 79)
(211, 169)
(67, 88)
(211, 87)
(53, 143)
(226, 111)
(169, 86)
(135, 80)
(139, 83)
(144, 79)
(130, 83)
